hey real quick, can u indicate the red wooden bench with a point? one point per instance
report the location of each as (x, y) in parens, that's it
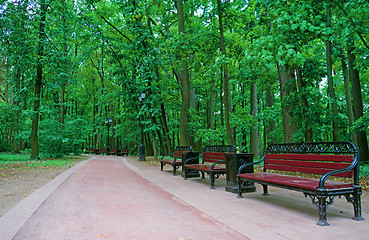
(91, 151)
(102, 151)
(121, 152)
(174, 159)
(324, 159)
(213, 162)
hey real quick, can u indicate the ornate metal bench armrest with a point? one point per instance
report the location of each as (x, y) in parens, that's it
(175, 159)
(213, 165)
(191, 159)
(248, 164)
(167, 156)
(328, 174)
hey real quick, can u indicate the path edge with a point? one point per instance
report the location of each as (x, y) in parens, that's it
(12, 221)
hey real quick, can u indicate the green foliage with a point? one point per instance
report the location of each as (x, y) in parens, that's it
(101, 54)
(57, 140)
(364, 171)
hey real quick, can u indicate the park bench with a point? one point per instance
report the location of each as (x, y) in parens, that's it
(174, 159)
(213, 162)
(121, 152)
(321, 159)
(102, 151)
(91, 151)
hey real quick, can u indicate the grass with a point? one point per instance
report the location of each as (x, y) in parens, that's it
(8, 160)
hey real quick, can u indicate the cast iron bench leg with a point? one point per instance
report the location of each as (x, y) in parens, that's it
(185, 173)
(357, 205)
(265, 190)
(239, 188)
(322, 206)
(212, 180)
(161, 166)
(174, 170)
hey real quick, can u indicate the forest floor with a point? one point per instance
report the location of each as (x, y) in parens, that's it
(19, 181)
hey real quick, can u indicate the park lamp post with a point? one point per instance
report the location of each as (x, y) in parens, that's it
(108, 122)
(141, 150)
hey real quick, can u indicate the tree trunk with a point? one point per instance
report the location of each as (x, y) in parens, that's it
(331, 93)
(211, 111)
(184, 78)
(271, 123)
(358, 103)
(350, 111)
(305, 107)
(165, 128)
(254, 132)
(227, 97)
(38, 82)
(287, 85)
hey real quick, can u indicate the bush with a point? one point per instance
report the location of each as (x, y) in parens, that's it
(57, 140)
(364, 170)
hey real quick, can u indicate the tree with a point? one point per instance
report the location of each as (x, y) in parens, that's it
(183, 78)
(38, 80)
(227, 97)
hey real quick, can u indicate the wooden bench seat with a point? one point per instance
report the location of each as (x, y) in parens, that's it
(324, 160)
(212, 162)
(293, 181)
(174, 159)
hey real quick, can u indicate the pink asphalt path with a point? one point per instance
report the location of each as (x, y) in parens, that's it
(109, 197)
(105, 199)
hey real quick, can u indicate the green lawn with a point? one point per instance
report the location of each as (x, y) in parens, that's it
(24, 160)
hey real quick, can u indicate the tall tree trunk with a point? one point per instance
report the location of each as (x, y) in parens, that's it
(165, 128)
(358, 103)
(331, 93)
(305, 107)
(287, 85)
(38, 82)
(211, 111)
(254, 132)
(16, 111)
(184, 79)
(350, 111)
(227, 97)
(271, 122)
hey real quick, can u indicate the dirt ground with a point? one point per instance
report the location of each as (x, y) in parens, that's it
(17, 184)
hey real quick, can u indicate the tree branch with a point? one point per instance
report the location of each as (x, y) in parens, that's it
(351, 21)
(110, 24)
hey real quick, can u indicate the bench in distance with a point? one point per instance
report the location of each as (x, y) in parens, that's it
(174, 159)
(213, 162)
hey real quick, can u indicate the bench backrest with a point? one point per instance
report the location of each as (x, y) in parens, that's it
(316, 158)
(309, 163)
(216, 153)
(180, 150)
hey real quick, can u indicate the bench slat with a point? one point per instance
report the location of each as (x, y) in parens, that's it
(206, 167)
(319, 171)
(178, 154)
(325, 165)
(308, 163)
(212, 157)
(293, 181)
(312, 157)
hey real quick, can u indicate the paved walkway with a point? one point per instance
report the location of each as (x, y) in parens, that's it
(120, 198)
